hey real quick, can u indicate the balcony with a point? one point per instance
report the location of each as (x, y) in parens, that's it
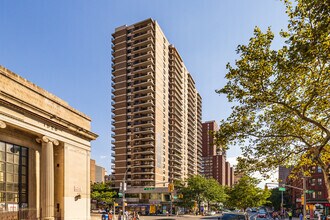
(143, 41)
(143, 69)
(143, 62)
(144, 89)
(143, 164)
(143, 144)
(143, 130)
(140, 137)
(143, 171)
(142, 28)
(175, 172)
(144, 55)
(143, 110)
(144, 48)
(143, 103)
(143, 178)
(145, 82)
(143, 76)
(175, 148)
(143, 34)
(175, 157)
(140, 97)
(143, 158)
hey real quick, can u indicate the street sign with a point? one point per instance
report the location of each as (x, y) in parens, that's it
(175, 197)
(149, 188)
(281, 189)
(309, 191)
(120, 195)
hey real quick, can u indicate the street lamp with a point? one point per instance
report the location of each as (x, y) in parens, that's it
(123, 188)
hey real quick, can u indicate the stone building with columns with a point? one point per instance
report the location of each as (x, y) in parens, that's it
(44, 154)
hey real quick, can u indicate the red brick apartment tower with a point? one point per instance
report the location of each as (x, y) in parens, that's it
(214, 161)
(317, 195)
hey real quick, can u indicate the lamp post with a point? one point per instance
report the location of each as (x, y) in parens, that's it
(124, 190)
(282, 210)
(304, 194)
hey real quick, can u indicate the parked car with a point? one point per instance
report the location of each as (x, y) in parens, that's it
(262, 214)
(211, 213)
(230, 216)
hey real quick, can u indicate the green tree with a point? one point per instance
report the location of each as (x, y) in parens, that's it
(102, 193)
(246, 194)
(214, 192)
(196, 189)
(275, 198)
(282, 106)
(200, 189)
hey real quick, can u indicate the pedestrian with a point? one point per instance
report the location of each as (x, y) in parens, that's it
(290, 214)
(301, 216)
(110, 215)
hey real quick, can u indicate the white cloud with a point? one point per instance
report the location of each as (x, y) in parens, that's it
(273, 176)
(103, 156)
(232, 161)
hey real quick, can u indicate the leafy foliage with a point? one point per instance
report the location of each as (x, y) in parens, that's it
(103, 193)
(282, 110)
(200, 189)
(246, 194)
(275, 198)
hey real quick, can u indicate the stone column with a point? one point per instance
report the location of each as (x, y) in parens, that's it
(47, 177)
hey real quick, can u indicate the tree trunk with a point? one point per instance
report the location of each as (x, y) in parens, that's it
(326, 175)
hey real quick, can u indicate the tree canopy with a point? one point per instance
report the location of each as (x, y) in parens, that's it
(246, 194)
(102, 193)
(200, 189)
(282, 97)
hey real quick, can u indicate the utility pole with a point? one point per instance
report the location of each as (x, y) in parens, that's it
(304, 194)
(282, 210)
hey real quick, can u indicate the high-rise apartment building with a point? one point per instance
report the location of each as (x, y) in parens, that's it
(283, 173)
(157, 122)
(214, 163)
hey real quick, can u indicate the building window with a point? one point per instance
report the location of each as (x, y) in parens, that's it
(319, 169)
(313, 195)
(319, 194)
(319, 181)
(313, 182)
(313, 170)
(13, 177)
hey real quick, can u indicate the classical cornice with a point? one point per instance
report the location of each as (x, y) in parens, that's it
(50, 119)
(40, 91)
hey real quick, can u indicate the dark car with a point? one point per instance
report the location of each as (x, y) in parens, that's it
(230, 216)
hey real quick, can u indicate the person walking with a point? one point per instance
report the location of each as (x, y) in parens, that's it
(290, 214)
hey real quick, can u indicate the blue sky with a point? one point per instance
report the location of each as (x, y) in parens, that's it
(65, 47)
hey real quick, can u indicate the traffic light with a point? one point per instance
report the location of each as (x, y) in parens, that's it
(170, 187)
(180, 196)
(302, 199)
